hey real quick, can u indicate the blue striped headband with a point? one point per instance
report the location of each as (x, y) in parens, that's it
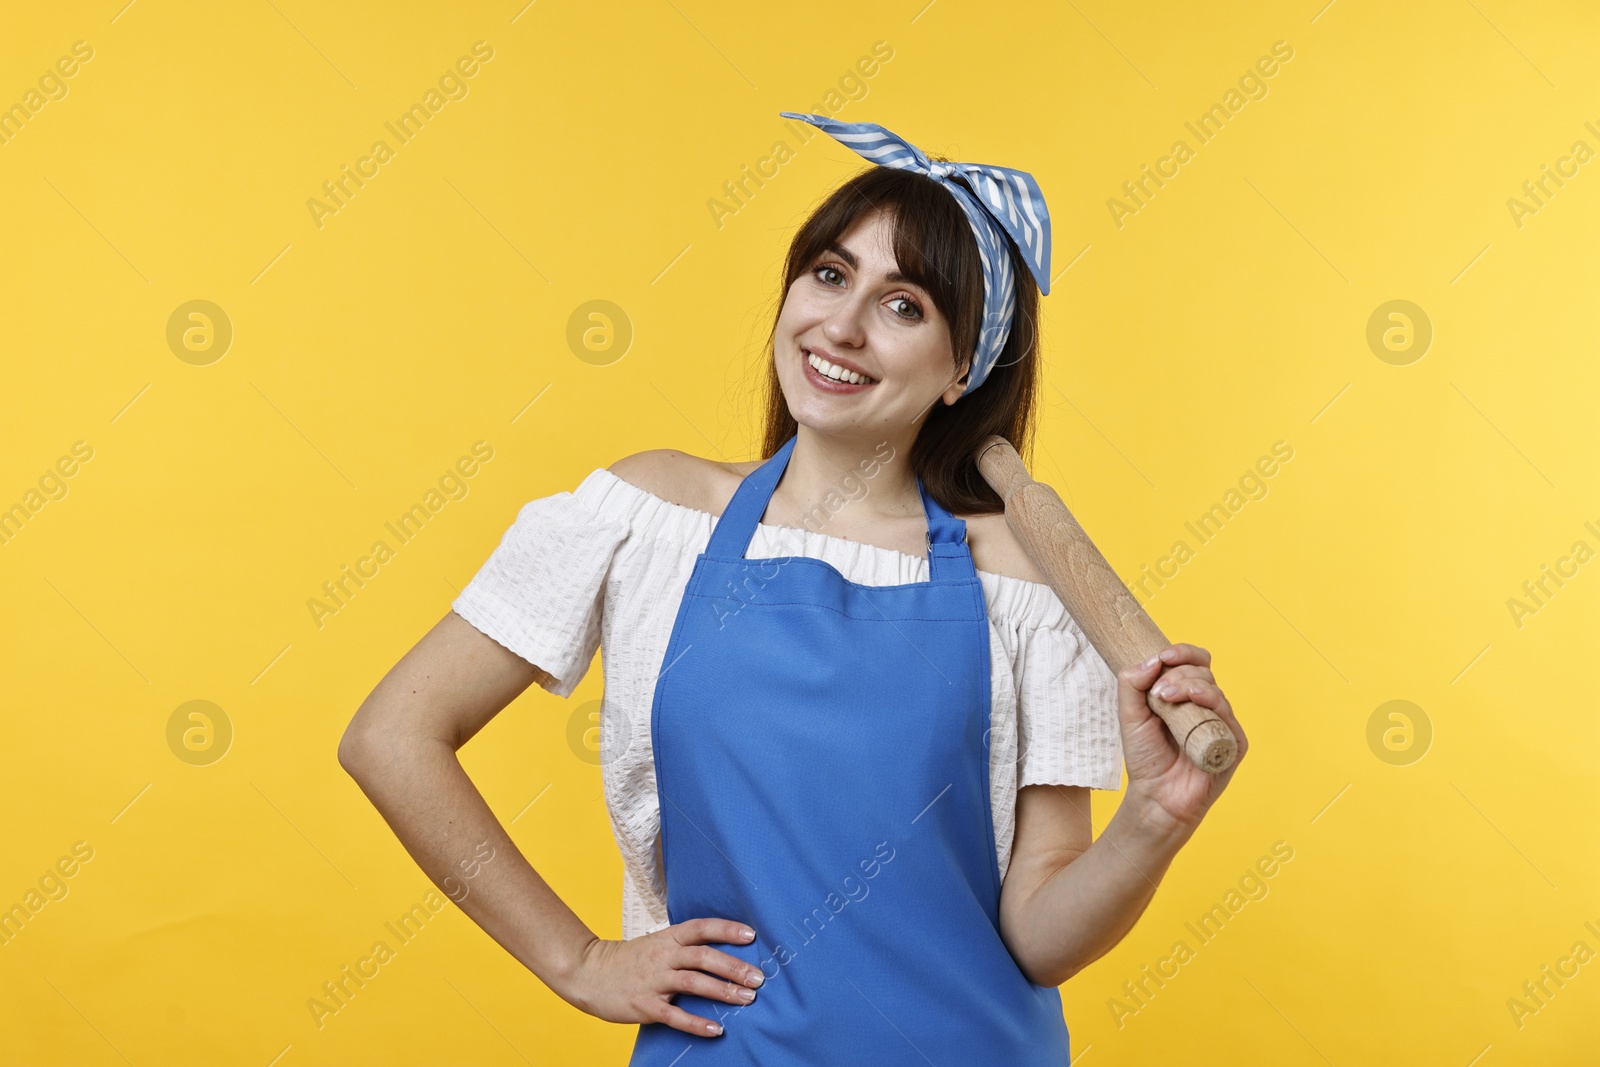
(1008, 205)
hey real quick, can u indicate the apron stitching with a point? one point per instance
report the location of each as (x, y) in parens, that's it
(825, 607)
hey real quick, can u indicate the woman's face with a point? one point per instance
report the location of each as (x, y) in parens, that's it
(850, 309)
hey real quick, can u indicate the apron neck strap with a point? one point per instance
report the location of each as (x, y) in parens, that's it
(948, 557)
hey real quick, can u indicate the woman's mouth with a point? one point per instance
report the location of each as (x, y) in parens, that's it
(820, 373)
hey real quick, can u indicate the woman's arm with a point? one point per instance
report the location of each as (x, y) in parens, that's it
(401, 749)
(1067, 902)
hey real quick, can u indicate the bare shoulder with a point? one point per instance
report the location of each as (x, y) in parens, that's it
(681, 478)
(995, 548)
(708, 485)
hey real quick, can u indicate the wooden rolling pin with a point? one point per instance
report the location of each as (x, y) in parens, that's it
(1113, 621)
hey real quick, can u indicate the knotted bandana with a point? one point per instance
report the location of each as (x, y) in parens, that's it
(1008, 205)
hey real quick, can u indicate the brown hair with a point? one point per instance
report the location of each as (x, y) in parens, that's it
(934, 247)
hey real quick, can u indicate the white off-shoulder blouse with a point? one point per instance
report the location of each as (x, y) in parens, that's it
(605, 566)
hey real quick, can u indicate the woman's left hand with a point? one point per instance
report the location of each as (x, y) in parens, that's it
(1165, 785)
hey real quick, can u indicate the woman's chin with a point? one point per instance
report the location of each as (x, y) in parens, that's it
(824, 419)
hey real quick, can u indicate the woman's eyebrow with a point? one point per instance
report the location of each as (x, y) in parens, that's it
(850, 259)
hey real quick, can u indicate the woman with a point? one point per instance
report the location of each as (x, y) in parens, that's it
(845, 766)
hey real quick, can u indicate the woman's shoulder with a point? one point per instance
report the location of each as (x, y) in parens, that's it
(996, 549)
(680, 478)
(707, 485)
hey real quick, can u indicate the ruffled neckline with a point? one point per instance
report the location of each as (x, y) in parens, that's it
(656, 517)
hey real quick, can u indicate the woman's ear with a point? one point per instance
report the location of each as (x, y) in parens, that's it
(956, 388)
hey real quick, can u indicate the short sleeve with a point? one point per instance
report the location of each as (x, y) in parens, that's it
(541, 592)
(1068, 731)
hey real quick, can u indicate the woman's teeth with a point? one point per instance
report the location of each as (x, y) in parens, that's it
(835, 372)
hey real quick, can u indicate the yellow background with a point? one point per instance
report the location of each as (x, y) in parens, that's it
(431, 312)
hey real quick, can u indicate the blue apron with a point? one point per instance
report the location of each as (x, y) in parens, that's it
(823, 776)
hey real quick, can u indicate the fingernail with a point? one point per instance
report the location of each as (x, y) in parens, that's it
(1169, 654)
(713, 1028)
(747, 995)
(1147, 664)
(1166, 690)
(747, 933)
(755, 979)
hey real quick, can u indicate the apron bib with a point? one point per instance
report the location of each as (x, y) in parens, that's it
(823, 776)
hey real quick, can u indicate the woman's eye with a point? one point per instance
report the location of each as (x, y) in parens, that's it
(825, 273)
(915, 311)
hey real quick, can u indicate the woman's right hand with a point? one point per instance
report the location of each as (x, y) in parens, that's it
(633, 981)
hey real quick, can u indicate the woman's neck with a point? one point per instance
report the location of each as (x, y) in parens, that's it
(834, 484)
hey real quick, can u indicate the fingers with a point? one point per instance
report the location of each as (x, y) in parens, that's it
(710, 960)
(693, 935)
(678, 1019)
(1183, 652)
(1207, 695)
(702, 931)
(703, 985)
(694, 967)
(1181, 660)
(1176, 677)
(1184, 663)
(684, 980)
(1132, 685)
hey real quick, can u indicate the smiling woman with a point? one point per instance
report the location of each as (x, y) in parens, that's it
(901, 236)
(785, 695)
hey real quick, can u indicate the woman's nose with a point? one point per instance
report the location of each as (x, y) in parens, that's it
(846, 324)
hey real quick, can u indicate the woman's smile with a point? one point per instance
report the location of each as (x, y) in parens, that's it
(819, 370)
